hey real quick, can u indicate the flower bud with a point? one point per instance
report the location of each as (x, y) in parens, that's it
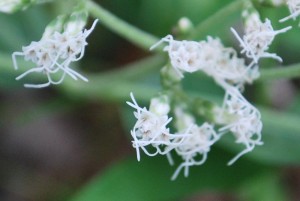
(160, 105)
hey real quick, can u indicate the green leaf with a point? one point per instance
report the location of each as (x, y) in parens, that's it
(149, 179)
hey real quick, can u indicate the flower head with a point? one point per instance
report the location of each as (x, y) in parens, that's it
(257, 38)
(185, 56)
(151, 129)
(196, 144)
(54, 53)
(244, 121)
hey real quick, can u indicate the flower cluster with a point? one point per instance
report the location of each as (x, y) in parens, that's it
(192, 142)
(151, 130)
(257, 38)
(54, 53)
(211, 57)
(195, 136)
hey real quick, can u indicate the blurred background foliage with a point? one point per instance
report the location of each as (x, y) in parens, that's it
(70, 142)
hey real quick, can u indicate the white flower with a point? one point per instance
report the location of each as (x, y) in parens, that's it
(185, 56)
(294, 8)
(195, 145)
(53, 54)
(151, 129)
(257, 38)
(244, 121)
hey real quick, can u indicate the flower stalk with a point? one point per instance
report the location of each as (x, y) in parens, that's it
(138, 37)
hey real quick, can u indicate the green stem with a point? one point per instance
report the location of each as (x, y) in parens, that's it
(291, 71)
(117, 25)
(135, 70)
(108, 86)
(117, 84)
(201, 29)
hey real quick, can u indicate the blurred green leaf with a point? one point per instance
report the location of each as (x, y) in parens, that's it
(19, 29)
(294, 106)
(149, 179)
(264, 187)
(11, 36)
